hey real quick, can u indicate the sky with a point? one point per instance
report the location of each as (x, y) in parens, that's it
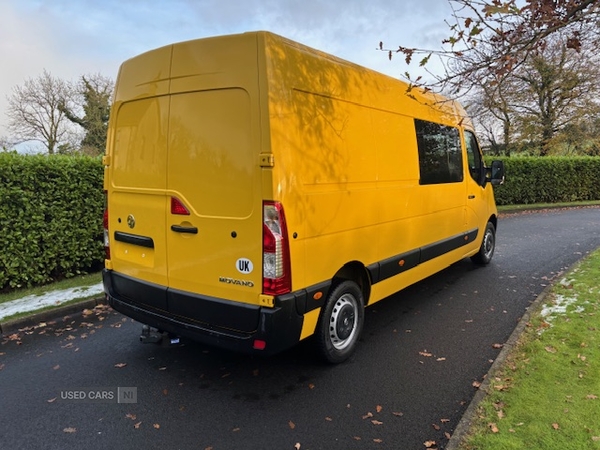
(71, 38)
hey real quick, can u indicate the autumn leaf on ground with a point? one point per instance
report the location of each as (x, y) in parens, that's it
(292, 425)
(367, 415)
(137, 425)
(497, 346)
(297, 446)
(555, 426)
(236, 429)
(447, 435)
(130, 416)
(493, 427)
(157, 426)
(425, 353)
(550, 349)
(397, 413)
(444, 420)
(69, 430)
(120, 365)
(378, 408)
(378, 441)
(56, 367)
(328, 419)
(476, 384)
(429, 444)
(591, 397)
(357, 438)
(311, 386)
(376, 422)
(436, 427)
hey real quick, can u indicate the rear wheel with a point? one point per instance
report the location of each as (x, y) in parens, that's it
(488, 245)
(340, 323)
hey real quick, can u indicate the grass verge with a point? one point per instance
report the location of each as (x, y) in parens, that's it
(547, 393)
(78, 281)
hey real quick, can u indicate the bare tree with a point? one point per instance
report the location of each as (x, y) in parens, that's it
(34, 113)
(91, 111)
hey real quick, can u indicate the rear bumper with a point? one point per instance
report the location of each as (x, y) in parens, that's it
(220, 323)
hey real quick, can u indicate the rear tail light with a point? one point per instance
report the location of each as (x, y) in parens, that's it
(178, 208)
(277, 278)
(106, 239)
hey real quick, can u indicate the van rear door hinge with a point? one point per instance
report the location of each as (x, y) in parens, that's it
(106, 160)
(267, 160)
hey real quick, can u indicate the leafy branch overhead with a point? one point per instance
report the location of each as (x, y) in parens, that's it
(489, 38)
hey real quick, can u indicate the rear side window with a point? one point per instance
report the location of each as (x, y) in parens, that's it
(440, 155)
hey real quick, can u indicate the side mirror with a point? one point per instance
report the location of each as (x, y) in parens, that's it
(495, 174)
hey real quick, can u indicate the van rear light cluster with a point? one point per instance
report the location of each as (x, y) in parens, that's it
(106, 239)
(277, 278)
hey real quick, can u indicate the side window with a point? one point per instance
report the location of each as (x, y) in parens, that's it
(440, 155)
(474, 157)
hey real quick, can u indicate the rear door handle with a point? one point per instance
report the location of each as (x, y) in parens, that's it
(181, 229)
(471, 197)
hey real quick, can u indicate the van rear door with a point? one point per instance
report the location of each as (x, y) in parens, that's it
(214, 173)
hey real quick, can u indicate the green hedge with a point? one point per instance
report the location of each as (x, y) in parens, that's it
(548, 180)
(51, 208)
(50, 217)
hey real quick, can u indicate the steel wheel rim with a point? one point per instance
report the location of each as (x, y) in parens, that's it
(343, 322)
(488, 244)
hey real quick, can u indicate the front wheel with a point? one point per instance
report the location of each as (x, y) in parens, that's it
(488, 245)
(340, 323)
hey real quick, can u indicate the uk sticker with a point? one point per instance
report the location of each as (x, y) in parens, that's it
(244, 265)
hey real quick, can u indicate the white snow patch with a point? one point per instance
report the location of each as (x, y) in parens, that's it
(35, 302)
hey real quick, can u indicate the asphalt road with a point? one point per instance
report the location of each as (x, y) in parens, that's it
(409, 382)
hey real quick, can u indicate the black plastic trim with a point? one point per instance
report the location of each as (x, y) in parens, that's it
(142, 241)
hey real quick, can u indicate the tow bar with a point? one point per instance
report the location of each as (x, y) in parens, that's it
(153, 336)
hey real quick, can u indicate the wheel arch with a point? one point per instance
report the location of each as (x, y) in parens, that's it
(355, 271)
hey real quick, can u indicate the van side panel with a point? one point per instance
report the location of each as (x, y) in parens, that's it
(346, 159)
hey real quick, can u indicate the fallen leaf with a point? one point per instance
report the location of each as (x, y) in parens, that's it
(235, 429)
(436, 427)
(476, 384)
(497, 346)
(555, 426)
(441, 359)
(376, 422)
(493, 427)
(357, 438)
(378, 441)
(157, 426)
(165, 392)
(130, 416)
(367, 415)
(328, 419)
(378, 408)
(429, 444)
(69, 430)
(447, 435)
(591, 397)
(398, 414)
(56, 367)
(120, 365)
(292, 424)
(444, 420)
(425, 353)
(297, 446)
(595, 438)
(137, 425)
(311, 386)
(550, 349)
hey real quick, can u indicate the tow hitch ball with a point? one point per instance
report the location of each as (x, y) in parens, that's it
(153, 336)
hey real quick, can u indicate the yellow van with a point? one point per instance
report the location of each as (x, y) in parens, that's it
(260, 192)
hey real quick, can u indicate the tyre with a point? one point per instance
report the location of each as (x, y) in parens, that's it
(488, 245)
(340, 323)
